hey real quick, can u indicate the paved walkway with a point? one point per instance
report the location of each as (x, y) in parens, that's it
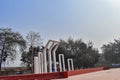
(111, 74)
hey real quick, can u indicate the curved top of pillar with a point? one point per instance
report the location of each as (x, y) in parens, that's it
(50, 43)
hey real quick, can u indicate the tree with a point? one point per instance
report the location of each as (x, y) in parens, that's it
(34, 39)
(34, 43)
(27, 56)
(10, 42)
(111, 52)
(84, 55)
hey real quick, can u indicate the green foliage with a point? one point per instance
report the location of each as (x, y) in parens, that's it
(84, 55)
(10, 42)
(111, 52)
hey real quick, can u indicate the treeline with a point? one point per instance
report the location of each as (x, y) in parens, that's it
(84, 54)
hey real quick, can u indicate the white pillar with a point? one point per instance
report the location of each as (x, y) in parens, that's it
(40, 58)
(70, 64)
(68, 61)
(42, 62)
(49, 57)
(36, 65)
(61, 62)
(54, 56)
(45, 61)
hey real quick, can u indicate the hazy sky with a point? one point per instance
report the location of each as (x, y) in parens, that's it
(94, 20)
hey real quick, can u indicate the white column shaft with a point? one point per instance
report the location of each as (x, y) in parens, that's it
(68, 65)
(54, 57)
(60, 64)
(72, 64)
(45, 61)
(50, 61)
(63, 62)
(54, 61)
(49, 57)
(40, 57)
(36, 65)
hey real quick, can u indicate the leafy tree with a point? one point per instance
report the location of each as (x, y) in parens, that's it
(10, 42)
(111, 52)
(34, 43)
(84, 55)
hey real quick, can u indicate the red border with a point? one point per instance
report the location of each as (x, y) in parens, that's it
(83, 71)
(48, 76)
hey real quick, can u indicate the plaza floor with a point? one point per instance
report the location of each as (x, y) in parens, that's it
(111, 74)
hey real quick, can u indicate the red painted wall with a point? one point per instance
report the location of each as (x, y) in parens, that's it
(48, 76)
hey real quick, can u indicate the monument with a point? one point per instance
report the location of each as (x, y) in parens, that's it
(44, 62)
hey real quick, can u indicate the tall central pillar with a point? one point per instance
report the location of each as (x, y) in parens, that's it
(54, 57)
(49, 57)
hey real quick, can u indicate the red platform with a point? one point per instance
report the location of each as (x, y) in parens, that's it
(48, 76)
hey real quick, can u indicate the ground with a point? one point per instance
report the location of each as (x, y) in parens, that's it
(111, 74)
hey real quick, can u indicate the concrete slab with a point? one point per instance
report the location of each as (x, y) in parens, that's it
(111, 74)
